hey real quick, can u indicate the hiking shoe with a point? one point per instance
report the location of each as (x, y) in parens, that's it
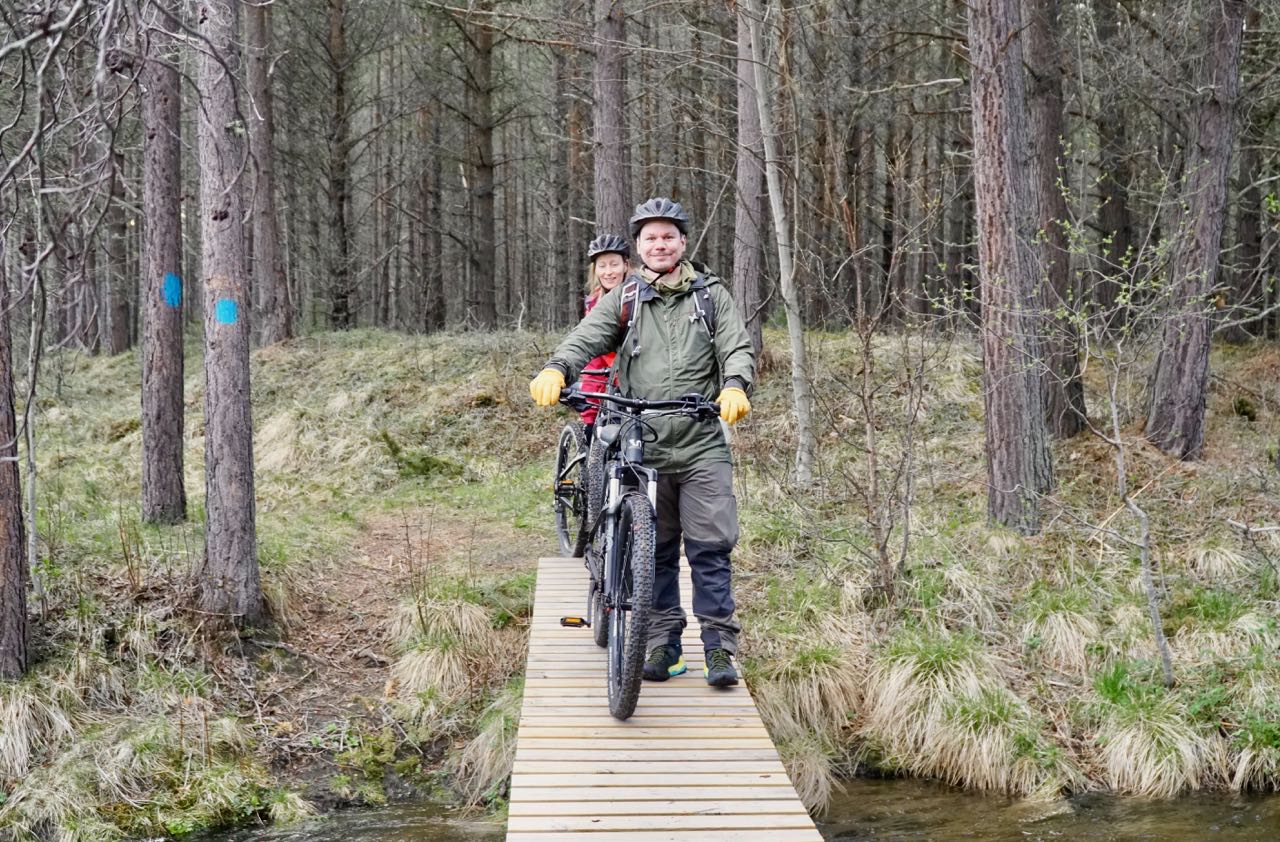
(664, 662)
(719, 669)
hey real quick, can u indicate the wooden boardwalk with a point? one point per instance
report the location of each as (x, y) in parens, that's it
(693, 763)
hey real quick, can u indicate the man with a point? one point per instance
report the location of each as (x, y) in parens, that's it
(676, 331)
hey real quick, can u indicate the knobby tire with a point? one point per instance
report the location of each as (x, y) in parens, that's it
(595, 502)
(629, 628)
(570, 496)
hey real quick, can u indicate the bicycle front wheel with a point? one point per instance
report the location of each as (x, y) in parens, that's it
(631, 583)
(567, 484)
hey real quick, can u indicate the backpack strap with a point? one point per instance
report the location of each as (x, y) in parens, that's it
(635, 292)
(704, 306)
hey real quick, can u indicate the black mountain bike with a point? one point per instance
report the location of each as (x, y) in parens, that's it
(569, 483)
(621, 533)
(567, 486)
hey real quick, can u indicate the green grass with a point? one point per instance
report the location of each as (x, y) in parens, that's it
(992, 646)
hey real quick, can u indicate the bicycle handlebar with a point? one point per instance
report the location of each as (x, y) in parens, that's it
(694, 404)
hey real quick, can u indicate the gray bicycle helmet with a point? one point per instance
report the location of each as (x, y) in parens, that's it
(608, 244)
(659, 208)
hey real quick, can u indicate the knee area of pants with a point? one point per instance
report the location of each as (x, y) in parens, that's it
(707, 549)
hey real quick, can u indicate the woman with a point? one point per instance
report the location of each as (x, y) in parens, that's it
(610, 259)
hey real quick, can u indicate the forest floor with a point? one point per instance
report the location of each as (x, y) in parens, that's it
(401, 505)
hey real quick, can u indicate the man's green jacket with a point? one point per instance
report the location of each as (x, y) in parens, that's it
(668, 353)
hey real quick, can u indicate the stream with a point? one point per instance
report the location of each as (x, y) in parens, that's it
(875, 810)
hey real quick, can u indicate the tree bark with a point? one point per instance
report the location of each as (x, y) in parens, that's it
(341, 313)
(562, 276)
(272, 290)
(430, 240)
(228, 579)
(1247, 288)
(1180, 380)
(748, 227)
(612, 165)
(164, 497)
(802, 398)
(1114, 180)
(1017, 448)
(13, 564)
(115, 287)
(1063, 389)
(482, 301)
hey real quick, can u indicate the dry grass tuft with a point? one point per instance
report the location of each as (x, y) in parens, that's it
(275, 446)
(809, 686)
(480, 772)
(1218, 564)
(428, 618)
(972, 598)
(807, 758)
(1148, 744)
(1061, 624)
(936, 706)
(289, 808)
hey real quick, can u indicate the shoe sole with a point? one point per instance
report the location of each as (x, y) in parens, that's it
(720, 681)
(728, 681)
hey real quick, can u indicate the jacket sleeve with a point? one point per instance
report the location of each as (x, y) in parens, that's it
(733, 344)
(597, 333)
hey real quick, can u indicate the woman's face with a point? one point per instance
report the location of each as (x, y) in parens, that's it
(610, 270)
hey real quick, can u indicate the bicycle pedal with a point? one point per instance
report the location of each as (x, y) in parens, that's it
(575, 622)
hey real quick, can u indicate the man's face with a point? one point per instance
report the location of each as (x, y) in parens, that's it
(661, 245)
(611, 268)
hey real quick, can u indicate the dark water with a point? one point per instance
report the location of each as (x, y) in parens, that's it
(411, 821)
(913, 811)
(880, 811)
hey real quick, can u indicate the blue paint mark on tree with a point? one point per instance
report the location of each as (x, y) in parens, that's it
(172, 291)
(226, 312)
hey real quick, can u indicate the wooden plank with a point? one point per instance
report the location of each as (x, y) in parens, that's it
(619, 795)
(656, 753)
(672, 807)
(605, 765)
(599, 714)
(693, 763)
(722, 821)
(569, 778)
(641, 732)
(778, 835)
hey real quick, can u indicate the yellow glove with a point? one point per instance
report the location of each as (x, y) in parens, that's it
(545, 388)
(734, 405)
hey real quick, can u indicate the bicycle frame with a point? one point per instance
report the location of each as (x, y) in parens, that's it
(620, 429)
(623, 474)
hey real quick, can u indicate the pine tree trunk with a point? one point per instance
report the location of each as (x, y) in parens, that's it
(1180, 380)
(1062, 389)
(1248, 286)
(164, 498)
(802, 398)
(565, 282)
(1113, 185)
(228, 580)
(748, 227)
(115, 286)
(1017, 447)
(13, 561)
(612, 166)
(482, 305)
(436, 305)
(341, 313)
(271, 288)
